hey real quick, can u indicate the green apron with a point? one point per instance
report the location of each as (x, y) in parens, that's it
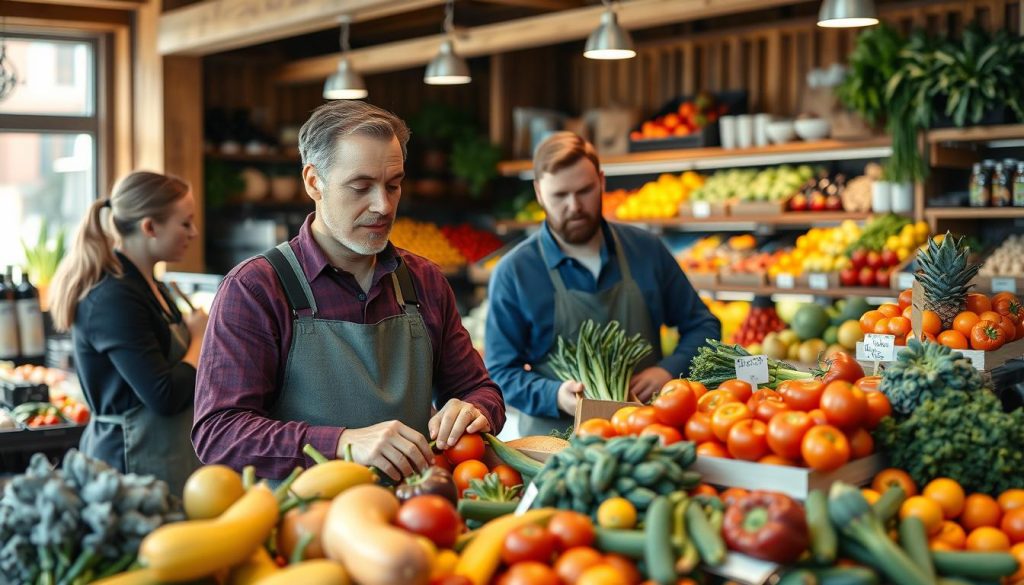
(623, 302)
(353, 375)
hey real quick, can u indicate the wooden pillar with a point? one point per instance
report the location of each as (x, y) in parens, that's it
(183, 139)
(499, 108)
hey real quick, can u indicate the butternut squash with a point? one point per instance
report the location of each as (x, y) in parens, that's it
(193, 549)
(315, 572)
(329, 479)
(358, 532)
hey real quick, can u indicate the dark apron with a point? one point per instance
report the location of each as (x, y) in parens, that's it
(623, 302)
(353, 375)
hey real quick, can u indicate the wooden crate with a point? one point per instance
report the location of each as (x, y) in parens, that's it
(795, 482)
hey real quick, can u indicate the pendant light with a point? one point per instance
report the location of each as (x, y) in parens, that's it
(609, 40)
(345, 83)
(8, 74)
(447, 67)
(847, 13)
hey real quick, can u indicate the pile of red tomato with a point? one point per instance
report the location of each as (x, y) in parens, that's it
(464, 460)
(472, 243)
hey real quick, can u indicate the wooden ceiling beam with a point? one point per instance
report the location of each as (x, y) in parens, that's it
(214, 26)
(524, 33)
(538, 4)
(32, 14)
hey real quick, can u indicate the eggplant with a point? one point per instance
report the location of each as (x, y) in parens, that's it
(432, 480)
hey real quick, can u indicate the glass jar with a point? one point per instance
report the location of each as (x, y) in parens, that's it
(1001, 186)
(1018, 186)
(980, 193)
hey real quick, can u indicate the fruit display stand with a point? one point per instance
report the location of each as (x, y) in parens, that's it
(795, 482)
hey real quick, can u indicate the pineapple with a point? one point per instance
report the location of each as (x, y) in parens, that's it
(945, 278)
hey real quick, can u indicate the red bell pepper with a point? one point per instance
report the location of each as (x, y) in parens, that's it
(767, 525)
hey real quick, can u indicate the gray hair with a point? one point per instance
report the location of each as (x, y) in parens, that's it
(340, 118)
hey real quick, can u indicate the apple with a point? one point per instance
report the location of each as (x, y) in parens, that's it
(848, 276)
(867, 276)
(859, 258)
(890, 258)
(798, 202)
(883, 277)
(874, 259)
(817, 202)
(833, 203)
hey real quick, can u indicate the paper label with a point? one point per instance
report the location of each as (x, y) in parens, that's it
(701, 209)
(785, 280)
(752, 369)
(818, 281)
(905, 280)
(1004, 284)
(877, 348)
(528, 497)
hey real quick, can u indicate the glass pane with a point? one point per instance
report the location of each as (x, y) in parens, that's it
(54, 77)
(44, 179)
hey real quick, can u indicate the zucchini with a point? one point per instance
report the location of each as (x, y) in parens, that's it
(709, 543)
(914, 541)
(485, 511)
(641, 497)
(603, 473)
(648, 473)
(658, 553)
(846, 576)
(628, 543)
(824, 542)
(974, 565)
(889, 504)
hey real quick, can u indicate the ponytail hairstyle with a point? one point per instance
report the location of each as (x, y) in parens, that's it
(135, 197)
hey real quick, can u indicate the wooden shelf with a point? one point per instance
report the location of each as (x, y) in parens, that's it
(668, 161)
(974, 212)
(977, 133)
(724, 223)
(838, 292)
(255, 158)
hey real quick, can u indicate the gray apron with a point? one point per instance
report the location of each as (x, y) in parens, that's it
(623, 302)
(155, 444)
(353, 375)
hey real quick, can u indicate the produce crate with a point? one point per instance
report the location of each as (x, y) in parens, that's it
(17, 447)
(757, 207)
(15, 392)
(587, 408)
(994, 284)
(795, 482)
(730, 278)
(818, 280)
(735, 101)
(702, 280)
(902, 276)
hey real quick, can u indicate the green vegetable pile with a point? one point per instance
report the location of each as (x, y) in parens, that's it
(80, 523)
(602, 358)
(716, 362)
(927, 370)
(877, 231)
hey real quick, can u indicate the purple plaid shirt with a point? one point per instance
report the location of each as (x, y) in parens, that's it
(245, 353)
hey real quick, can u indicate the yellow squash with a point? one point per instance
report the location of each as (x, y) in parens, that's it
(329, 479)
(315, 572)
(259, 566)
(480, 559)
(138, 577)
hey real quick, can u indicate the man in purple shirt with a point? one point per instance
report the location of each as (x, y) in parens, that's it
(337, 338)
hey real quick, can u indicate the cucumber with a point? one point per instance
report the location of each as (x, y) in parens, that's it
(799, 577)
(625, 484)
(641, 497)
(514, 458)
(629, 543)
(974, 565)
(485, 511)
(889, 504)
(578, 484)
(648, 473)
(824, 542)
(914, 541)
(709, 542)
(846, 576)
(603, 473)
(658, 552)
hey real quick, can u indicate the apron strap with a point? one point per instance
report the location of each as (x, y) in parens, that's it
(286, 265)
(556, 278)
(626, 274)
(405, 289)
(110, 419)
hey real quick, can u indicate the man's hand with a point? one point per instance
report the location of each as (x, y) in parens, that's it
(455, 418)
(649, 381)
(568, 394)
(392, 447)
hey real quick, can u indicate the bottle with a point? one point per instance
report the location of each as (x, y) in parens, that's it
(1001, 196)
(980, 193)
(8, 319)
(1018, 186)
(31, 334)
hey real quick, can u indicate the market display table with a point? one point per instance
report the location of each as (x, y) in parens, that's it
(16, 447)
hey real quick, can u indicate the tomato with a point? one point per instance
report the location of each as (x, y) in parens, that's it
(676, 404)
(882, 326)
(844, 405)
(441, 461)
(712, 449)
(978, 303)
(451, 580)
(996, 298)
(628, 573)
(1010, 326)
(602, 574)
(825, 448)
(906, 298)
(818, 416)
(1009, 306)
(531, 542)
(953, 339)
(893, 476)
(869, 319)
(1011, 499)
(964, 322)
(704, 490)
(989, 316)
(842, 366)
(210, 490)
(713, 399)
(748, 440)
(469, 446)
(763, 395)
(727, 415)
(571, 529)
(928, 511)
(530, 573)
(509, 477)
(738, 388)
(946, 493)
(889, 310)
(620, 420)
(1017, 551)
(733, 495)
(879, 407)
(861, 443)
(786, 433)
(575, 561)
(980, 510)
(433, 517)
(952, 534)
(899, 326)
(596, 427)
(870, 495)
(640, 419)
(698, 428)
(769, 408)
(802, 395)
(666, 434)
(931, 323)
(466, 471)
(987, 539)
(987, 336)
(698, 388)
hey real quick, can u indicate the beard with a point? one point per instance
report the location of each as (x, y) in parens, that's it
(577, 229)
(370, 244)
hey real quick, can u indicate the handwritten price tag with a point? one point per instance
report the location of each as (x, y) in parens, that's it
(818, 281)
(1003, 284)
(905, 280)
(753, 369)
(877, 348)
(785, 280)
(701, 209)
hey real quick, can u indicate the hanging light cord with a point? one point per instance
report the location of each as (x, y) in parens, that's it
(345, 20)
(449, 17)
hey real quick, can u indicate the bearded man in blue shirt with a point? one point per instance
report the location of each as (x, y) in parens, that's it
(579, 267)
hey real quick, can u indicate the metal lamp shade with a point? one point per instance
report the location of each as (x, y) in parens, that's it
(609, 40)
(345, 83)
(447, 68)
(847, 13)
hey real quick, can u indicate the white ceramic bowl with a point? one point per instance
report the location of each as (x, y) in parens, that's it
(781, 131)
(813, 129)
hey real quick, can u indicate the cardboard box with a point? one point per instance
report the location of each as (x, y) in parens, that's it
(587, 408)
(795, 482)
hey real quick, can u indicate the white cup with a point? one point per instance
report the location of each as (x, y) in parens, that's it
(761, 122)
(727, 131)
(881, 196)
(744, 131)
(902, 197)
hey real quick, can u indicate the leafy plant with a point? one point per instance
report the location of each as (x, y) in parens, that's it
(872, 63)
(910, 93)
(978, 74)
(440, 123)
(44, 256)
(475, 160)
(222, 183)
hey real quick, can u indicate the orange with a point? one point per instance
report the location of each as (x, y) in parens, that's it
(980, 510)
(603, 574)
(927, 510)
(978, 303)
(868, 321)
(906, 297)
(629, 575)
(618, 513)
(965, 321)
(987, 539)
(889, 310)
(952, 534)
(907, 312)
(1013, 525)
(948, 494)
(882, 326)
(1017, 551)
(936, 544)
(899, 326)
(1011, 499)
(620, 420)
(870, 495)
(990, 316)
(931, 323)
(953, 339)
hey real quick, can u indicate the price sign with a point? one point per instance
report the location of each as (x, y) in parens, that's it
(818, 281)
(877, 348)
(752, 369)
(905, 280)
(701, 209)
(528, 497)
(785, 280)
(1004, 284)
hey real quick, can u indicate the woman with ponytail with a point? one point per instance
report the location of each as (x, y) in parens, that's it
(135, 353)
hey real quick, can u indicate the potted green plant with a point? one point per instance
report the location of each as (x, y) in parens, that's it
(873, 61)
(910, 95)
(475, 161)
(42, 259)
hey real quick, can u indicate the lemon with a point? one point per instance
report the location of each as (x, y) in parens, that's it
(616, 513)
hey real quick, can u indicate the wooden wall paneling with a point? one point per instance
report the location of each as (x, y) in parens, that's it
(121, 139)
(498, 107)
(627, 82)
(774, 75)
(753, 81)
(688, 68)
(708, 62)
(735, 63)
(148, 91)
(183, 116)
